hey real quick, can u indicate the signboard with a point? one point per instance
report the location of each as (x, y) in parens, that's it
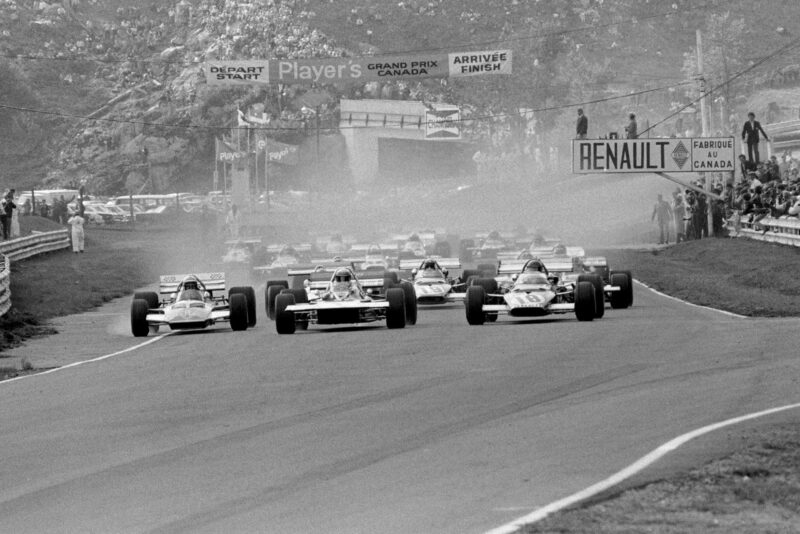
(701, 154)
(359, 70)
(443, 123)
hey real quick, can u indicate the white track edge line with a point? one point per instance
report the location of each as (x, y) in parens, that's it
(657, 292)
(99, 358)
(645, 461)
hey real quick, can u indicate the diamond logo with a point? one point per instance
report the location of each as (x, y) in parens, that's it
(680, 155)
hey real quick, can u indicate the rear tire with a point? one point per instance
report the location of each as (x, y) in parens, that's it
(250, 293)
(396, 314)
(599, 297)
(139, 326)
(149, 296)
(489, 285)
(476, 296)
(238, 312)
(411, 302)
(271, 294)
(300, 295)
(585, 301)
(619, 299)
(630, 286)
(391, 276)
(284, 321)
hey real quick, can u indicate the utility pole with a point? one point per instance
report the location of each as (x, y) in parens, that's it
(704, 118)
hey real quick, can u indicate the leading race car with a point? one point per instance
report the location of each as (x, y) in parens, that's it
(191, 302)
(342, 300)
(533, 293)
(432, 281)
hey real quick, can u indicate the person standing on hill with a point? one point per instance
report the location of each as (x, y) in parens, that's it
(663, 212)
(750, 136)
(76, 221)
(582, 127)
(632, 130)
(6, 210)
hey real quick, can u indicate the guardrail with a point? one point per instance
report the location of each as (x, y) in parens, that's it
(31, 245)
(5, 285)
(784, 230)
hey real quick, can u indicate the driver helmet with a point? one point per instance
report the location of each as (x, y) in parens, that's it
(428, 265)
(341, 280)
(190, 284)
(494, 234)
(560, 250)
(533, 266)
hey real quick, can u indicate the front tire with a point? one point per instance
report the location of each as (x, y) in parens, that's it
(476, 296)
(139, 326)
(599, 297)
(284, 320)
(396, 314)
(411, 302)
(585, 301)
(238, 312)
(630, 287)
(250, 293)
(619, 299)
(271, 294)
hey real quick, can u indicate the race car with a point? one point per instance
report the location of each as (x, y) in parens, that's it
(432, 281)
(533, 293)
(342, 300)
(281, 257)
(489, 246)
(191, 302)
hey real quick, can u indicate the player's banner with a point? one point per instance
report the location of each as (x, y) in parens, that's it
(361, 69)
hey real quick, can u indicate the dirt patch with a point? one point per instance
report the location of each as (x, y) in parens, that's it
(754, 490)
(738, 275)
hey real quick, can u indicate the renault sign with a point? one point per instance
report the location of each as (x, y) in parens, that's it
(703, 154)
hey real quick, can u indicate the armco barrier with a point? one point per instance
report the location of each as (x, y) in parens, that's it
(31, 245)
(784, 230)
(5, 285)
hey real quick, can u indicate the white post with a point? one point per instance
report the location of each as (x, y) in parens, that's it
(704, 118)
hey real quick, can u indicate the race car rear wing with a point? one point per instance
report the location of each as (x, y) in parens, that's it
(595, 261)
(213, 281)
(511, 266)
(444, 263)
(367, 279)
(324, 266)
(558, 266)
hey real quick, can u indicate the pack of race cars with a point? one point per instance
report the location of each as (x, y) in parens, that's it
(367, 283)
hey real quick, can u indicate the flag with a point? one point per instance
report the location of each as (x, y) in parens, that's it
(242, 120)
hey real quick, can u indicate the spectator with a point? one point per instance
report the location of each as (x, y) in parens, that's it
(700, 216)
(76, 221)
(718, 213)
(631, 130)
(6, 209)
(688, 216)
(750, 135)
(678, 213)
(14, 218)
(746, 166)
(582, 127)
(663, 212)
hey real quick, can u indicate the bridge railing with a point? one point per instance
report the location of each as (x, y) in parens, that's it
(5, 285)
(784, 230)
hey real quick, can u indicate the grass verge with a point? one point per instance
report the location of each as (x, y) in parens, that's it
(737, 275)
(754, 490)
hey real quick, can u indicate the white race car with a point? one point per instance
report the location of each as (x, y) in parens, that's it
(342, 300)
(432, 281)
(533, 293)
(191, 302)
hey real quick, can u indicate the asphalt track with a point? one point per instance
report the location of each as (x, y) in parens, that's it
(440, 427)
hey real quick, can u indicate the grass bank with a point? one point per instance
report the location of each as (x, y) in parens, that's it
(737, 275)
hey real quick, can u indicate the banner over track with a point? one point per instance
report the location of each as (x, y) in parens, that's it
(361, 69)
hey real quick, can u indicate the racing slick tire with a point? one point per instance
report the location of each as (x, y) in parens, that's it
(139, 326)
(487, 269)
(630, 286)
(410, 296)
(300, 297)
(284, 321)
(149, 296)
(585, 295)
(619, 299)
(238, 310)
(489, 285)
(473, 303)
(396, 314)
(250, 293)
(270, 294)
(599, 297)
(390, 276)
(468, 273)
